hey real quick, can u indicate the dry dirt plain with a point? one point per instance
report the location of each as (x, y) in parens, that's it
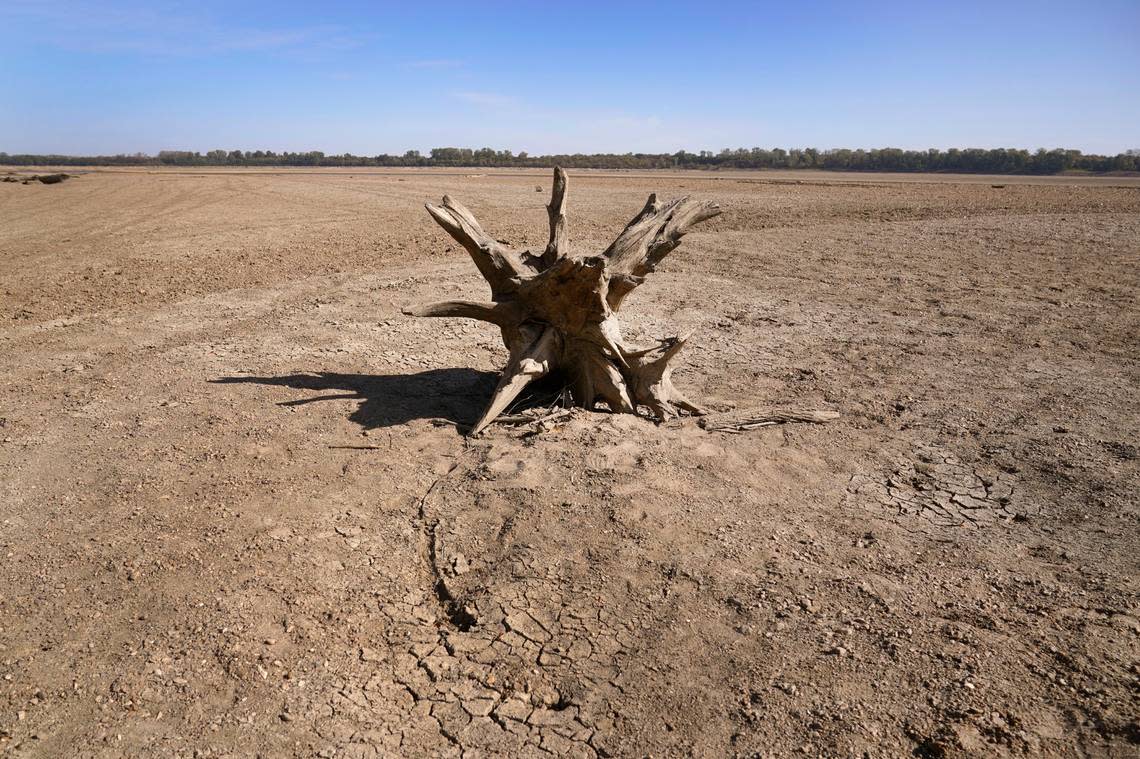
(238, 518)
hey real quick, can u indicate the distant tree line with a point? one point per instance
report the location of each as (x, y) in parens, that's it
(968, 160)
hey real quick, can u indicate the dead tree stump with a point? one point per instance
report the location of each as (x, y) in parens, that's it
(558, 311)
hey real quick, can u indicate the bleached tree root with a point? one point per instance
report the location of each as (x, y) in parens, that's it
(557, 310)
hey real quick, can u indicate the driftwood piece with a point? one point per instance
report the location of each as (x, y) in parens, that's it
(557, 310)
(750, 419)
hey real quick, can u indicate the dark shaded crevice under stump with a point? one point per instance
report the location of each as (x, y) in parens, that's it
(558, 310)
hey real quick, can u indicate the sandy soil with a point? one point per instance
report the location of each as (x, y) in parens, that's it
(237, 517)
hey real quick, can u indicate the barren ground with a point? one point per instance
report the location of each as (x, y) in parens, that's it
(237, 517)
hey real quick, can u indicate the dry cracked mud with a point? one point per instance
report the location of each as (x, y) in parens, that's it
(942, 490)
(238, 518)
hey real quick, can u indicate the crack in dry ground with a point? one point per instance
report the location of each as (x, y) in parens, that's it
(452, 609)
(455, 674)
(941, 490)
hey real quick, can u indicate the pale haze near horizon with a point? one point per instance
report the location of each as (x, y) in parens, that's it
(87, 78)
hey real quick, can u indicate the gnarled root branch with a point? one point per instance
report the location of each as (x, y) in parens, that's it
(652, 381)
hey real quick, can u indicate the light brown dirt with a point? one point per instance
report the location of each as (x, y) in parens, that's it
(237, 518)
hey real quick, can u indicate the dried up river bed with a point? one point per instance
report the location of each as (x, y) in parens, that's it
(237, 517)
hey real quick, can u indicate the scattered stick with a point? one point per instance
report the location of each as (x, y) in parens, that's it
(750, 419)
(532, 419)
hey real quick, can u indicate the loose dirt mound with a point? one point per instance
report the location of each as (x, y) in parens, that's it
(237, 517)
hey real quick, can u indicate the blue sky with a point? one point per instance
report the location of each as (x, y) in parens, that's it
(371, 77)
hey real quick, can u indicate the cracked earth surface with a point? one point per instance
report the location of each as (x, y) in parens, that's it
(943, 491)
(237, 518)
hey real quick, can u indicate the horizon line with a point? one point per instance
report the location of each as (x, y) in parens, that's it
(527, 155)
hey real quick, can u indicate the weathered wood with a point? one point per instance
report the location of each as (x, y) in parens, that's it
(503, 314)
(556, 309)
(652, 380)
(559, 243)
(652, 235)
(749, 419)
(499, 265)
(524, 366)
